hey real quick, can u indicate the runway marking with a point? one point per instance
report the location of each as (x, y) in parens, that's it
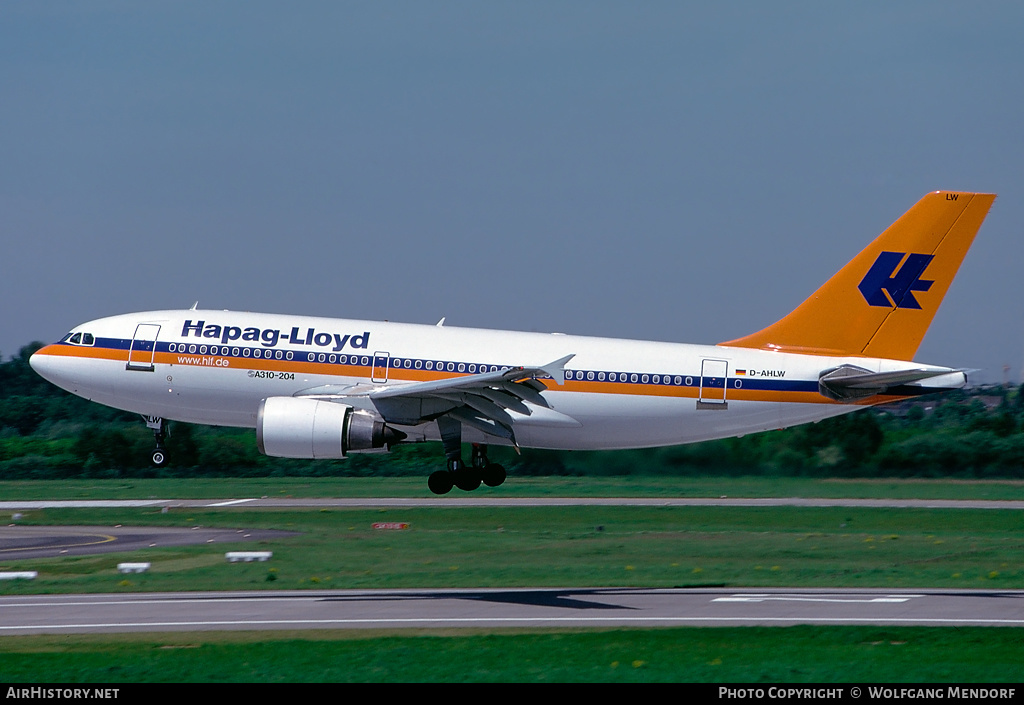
(230, 502)
(809, 598)
(105, 538)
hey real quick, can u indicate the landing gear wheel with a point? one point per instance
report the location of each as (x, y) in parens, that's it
(493, 475)
(440, 482)
(467, 479)
(159, 427)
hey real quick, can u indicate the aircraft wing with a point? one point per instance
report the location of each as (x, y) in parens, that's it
(483, 401)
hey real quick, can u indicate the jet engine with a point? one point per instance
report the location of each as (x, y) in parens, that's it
(295, 427)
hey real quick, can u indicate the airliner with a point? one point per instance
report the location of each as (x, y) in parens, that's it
(326, 388)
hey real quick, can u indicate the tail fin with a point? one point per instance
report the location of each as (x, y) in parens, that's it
(882, 302)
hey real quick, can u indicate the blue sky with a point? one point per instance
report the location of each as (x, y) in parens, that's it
(669, 171)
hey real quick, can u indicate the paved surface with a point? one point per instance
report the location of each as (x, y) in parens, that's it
(49, 541)
(579, 607)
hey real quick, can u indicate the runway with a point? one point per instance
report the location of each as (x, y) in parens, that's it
(500, 608)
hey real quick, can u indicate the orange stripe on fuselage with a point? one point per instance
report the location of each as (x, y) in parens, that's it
(84, 352)
(412, 375)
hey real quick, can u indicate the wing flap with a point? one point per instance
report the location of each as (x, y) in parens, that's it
(482, 401)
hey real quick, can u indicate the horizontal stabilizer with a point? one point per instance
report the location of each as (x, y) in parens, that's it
(851, 383)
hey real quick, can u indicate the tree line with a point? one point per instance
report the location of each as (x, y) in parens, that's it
(47, 433)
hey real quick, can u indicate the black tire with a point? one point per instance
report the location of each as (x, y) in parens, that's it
(494, 475)
(440, 482)
(467, 479)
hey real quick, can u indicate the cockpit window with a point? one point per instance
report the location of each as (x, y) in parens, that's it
(80, 338)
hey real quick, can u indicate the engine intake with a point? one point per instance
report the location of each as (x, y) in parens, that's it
(291, 427)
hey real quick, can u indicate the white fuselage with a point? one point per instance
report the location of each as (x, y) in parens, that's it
(215, 367)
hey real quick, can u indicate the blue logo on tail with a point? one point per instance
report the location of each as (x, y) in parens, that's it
(883, 278)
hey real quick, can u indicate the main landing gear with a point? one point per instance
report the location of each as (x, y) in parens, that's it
(457, 474)
(465, 478)
(159, 427)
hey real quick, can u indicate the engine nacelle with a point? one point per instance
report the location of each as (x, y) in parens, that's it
(294, 427)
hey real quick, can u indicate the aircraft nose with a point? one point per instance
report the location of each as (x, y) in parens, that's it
(35, 361)
(45, 365)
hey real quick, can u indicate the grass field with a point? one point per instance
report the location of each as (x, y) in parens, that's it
(580, 546)
(726, 655)
(564, 547)
(641, 486)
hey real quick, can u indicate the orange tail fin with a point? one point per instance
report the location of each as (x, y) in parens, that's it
(882, 302)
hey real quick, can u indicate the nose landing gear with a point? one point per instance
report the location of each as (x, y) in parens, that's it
(159, 426)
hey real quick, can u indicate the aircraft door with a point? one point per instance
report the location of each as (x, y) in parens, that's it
(142, 351)
(713, 384)
(381, 362)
